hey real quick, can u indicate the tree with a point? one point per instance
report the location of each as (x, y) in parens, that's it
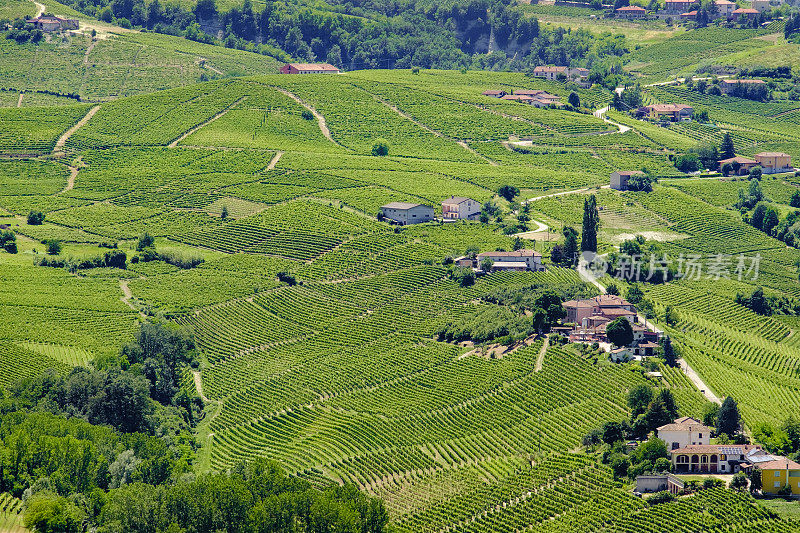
(380, 148)
(755, 479)
(115, 259)
(53, 247)
(612, 432)
(668, 352)
(640, 183)
(509, 192)
(755, 173)
(619, 466)
(224, 214)
(666, 397)
(612, 289)
(728, 417)
(710, 412)
(757, 218)
(50, 513)
(639, 398)
(591, 223)
(634, 294)
(739, 482)
(570, 253)
(620, 332)
(726, 169)
(795, 201)
(334, 56)
(771, 220)
(574, 100)
(486, 264)
(557, 254)
(145, 241)
(727, 149)
(687, 163)
(35, 218)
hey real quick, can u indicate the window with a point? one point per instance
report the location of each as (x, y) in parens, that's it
(777, 484)
(699, 435)
(777, 473)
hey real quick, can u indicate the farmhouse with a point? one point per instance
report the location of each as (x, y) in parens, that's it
(516, 260)
(691, 15)
(761, 5)
(529, 92)
(619, 178)
(741, 165)
(726, 86)
(779, 472)
(744, 13)
(524, 98)
(458, 207)
(675, 112)
(309, 68)
(546, 100)
(606, 306)
(685, 431)
(712, 458)
(725, 8)
(631, 12)
(51, 23)
(406, 213)
(772, 162)
(676, 6)
(548, 72)
(495, 93)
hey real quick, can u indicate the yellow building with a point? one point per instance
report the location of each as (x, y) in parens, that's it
(779, 473)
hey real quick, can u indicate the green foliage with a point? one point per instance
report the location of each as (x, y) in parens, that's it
(53, 247)
(509, 192)
(35, 218)
(380, 148)
(728, 418)
(660, 498)
(591, 224)
(620, 332)
(50, 513)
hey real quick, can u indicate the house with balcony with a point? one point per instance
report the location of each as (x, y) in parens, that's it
(460, 208)
(774, 162)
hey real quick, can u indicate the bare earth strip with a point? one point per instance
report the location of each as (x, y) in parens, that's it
(323, 127)
(274, 161)
(59, 148)
(174, 143)
(198, 384)
(19, 101)
(40, 9)
(540, 359)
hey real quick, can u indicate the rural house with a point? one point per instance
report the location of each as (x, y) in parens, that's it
(725, 8)
(524, 98)
(458, 207)
(744, 14)
(495, 93)
(405, 213)
(605, 305)
(631, 12)
(675, 112)
(726, 86)
(579, 75)
(517, 260)
(772, 162)
(713, 458)
(684, 432)
(761, 6)
(52, 23)
(619, 178)
(690, 15)
(741, 165)
(309, 68)
(778, 472)
(676, 6)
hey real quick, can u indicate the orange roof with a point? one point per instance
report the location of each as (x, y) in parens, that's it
(520, 97)
(745, 11)
(313, 66)
(727, 449)
(780, 463)
(668, 108)
(631, 8)
(739, 159)
(742, 81)
(548, 68)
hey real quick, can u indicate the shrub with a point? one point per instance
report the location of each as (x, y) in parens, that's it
(180, 259)
(35, 218)
(224, 213)
(10, 247)
(115, 259)
(145, 241)
(380, 148)
(307, 115)
(660, 497)
(285, 277)
(53, 246)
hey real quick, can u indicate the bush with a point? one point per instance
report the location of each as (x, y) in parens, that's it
(307, 115)
(35, 218)
(145, 241)
(180, 259)
(660, 497)
(10, 247)
(380, 148)
(115, 259)
(285, 277)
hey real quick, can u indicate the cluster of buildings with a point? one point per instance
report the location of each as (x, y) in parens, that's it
(673, 112)
(770, 163)
(723, 9)
(535, 98)
(517, 260)
(577, 74)
(453, 208)
(50, 23)
(689, 444)
(309, 68)
(591, 316)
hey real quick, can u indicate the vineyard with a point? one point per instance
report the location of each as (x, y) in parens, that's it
(315, 322)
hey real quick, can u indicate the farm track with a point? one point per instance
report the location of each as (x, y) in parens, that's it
(59, 147)
(220, 114)
(19, 101)
(323, 126)
(274, 161)
(40, 9)
(601, 113)
(542, 352)
(127, 297)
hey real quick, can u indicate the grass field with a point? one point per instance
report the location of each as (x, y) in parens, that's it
(339, 377)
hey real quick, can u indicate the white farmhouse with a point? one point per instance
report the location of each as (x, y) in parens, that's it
(683, 432)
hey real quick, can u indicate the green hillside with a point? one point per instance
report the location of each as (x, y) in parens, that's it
(315, 323)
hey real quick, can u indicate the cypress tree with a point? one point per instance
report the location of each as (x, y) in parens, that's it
(728, 417)
(726, 148)
(591, 223)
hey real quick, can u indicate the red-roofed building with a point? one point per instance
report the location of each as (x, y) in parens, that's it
(726, 86)
(691, 15)
(309, 68)
(494, 93)
(51, 23)
(744, 13)
(741, 165)
(725, 8)
(713, 458)
(685, 431)
(631, 12)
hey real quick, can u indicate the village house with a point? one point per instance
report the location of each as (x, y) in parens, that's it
(494, 93)
(762, 6)
(309, 68)
(713, 458)
(50, 23)
(577, 74)
(691, 15)
(675, 112)
(405, 213)
(631, 12)
(619, 178)
(726, 86)
(777, 473)
(521, 260)
(603, 306)
(744, 14)
(773, 162)
(524, 98)
(464, 262)
(458, 207)
(725, 8)
(741, 165)
(546, 100)
(685, 431)
(677, 6)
